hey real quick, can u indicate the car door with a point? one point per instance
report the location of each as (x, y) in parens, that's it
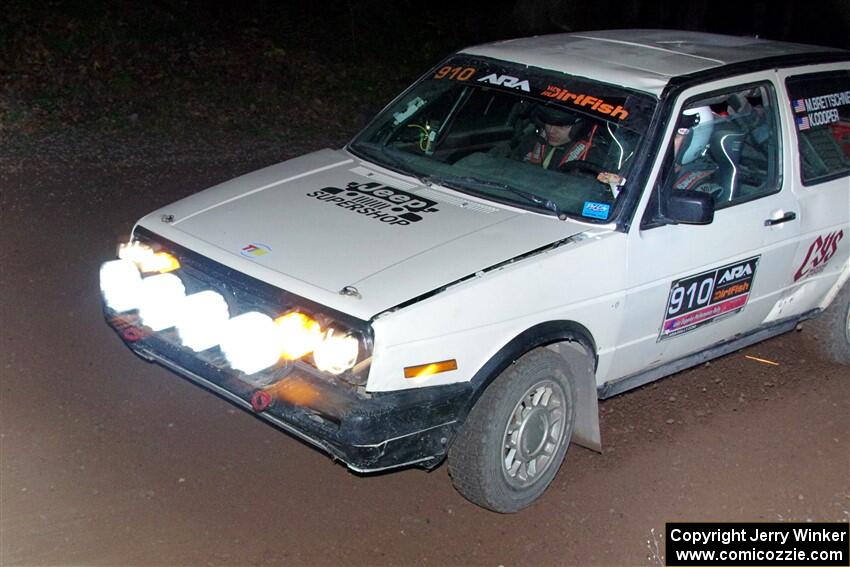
(692, 286)
(816, 101)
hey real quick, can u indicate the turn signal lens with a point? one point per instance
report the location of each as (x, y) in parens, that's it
(146, 259)
(425, 370)
(336, 353)
(299, 335)
(162, 262)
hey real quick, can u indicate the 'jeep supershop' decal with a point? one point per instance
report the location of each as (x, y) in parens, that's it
(702, 298)
(377, 201)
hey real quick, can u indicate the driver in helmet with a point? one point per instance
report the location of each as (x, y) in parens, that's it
(560, 137)
(693, 167)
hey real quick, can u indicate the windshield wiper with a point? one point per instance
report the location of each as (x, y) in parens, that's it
(473, 183)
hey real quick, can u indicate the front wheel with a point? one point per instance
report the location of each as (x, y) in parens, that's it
(515, 437)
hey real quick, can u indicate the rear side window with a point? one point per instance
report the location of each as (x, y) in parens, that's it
(821, 106)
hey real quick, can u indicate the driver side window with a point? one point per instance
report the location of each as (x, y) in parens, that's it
(726, 143)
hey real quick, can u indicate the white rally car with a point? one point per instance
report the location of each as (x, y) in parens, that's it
(533, 225)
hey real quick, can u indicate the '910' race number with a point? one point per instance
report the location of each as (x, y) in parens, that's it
(702, 298)
(455, 73)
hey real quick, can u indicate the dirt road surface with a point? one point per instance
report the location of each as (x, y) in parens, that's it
(106, 459)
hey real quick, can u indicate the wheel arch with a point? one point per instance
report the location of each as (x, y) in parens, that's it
(575, 344)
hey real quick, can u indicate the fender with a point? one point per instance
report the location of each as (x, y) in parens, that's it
(576, 345)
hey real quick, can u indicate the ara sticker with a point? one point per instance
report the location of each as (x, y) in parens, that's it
(819, 253)
(595, 210)
(506, 81)
(376, 201)
(255, 250)
(699, 299)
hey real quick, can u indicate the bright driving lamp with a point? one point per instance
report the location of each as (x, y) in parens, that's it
(160, 302)
(146, 259)
(299, 335)
(336, 353)
(201, 320)
(120, 283)
(250, 342)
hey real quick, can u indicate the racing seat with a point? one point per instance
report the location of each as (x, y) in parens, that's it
(724, 148)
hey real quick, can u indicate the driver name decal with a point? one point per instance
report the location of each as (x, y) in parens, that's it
(699, 299)
(377, 201)
(821, 110)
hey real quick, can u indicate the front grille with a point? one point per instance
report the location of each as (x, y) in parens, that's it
(244, 293)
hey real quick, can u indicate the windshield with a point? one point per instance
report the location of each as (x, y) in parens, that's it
(536, 139)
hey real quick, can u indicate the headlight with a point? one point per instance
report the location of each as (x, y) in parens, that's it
(336, 353)
(299, 335)
(160, 302)
(250, 342)
(201, 320)
(147, 259)
(120, 282)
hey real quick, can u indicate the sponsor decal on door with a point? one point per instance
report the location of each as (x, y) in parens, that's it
(820, 251)
(697, 300)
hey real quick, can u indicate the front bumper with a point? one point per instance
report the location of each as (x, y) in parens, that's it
(367, 431)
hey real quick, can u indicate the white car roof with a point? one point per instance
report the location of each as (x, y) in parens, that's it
(643, 60)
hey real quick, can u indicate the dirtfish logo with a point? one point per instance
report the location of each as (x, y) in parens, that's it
(587, 102)
(505, 81)
(376, 201)
(255, 250)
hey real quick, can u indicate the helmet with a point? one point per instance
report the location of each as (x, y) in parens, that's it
(696, 124)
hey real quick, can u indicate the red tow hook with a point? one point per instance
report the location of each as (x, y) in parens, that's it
(128, 331)
(261, 400)
(132, 334)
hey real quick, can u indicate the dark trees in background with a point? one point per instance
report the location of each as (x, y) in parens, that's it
(425, 30)
(86, 62)
(365, 25)
(825, 22)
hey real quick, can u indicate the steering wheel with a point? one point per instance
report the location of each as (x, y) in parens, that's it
(581, 166)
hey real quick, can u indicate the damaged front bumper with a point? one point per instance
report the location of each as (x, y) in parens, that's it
(369, 432)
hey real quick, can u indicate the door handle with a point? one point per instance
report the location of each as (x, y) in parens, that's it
(789, 216)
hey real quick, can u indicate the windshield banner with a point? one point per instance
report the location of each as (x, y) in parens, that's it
(596, 100)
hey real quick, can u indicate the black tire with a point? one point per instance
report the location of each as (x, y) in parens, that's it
(479, 457)
(832, 328)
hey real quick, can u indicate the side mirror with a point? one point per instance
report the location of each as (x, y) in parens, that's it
(688, 207)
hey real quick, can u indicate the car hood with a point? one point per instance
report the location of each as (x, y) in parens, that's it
(327, 221)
